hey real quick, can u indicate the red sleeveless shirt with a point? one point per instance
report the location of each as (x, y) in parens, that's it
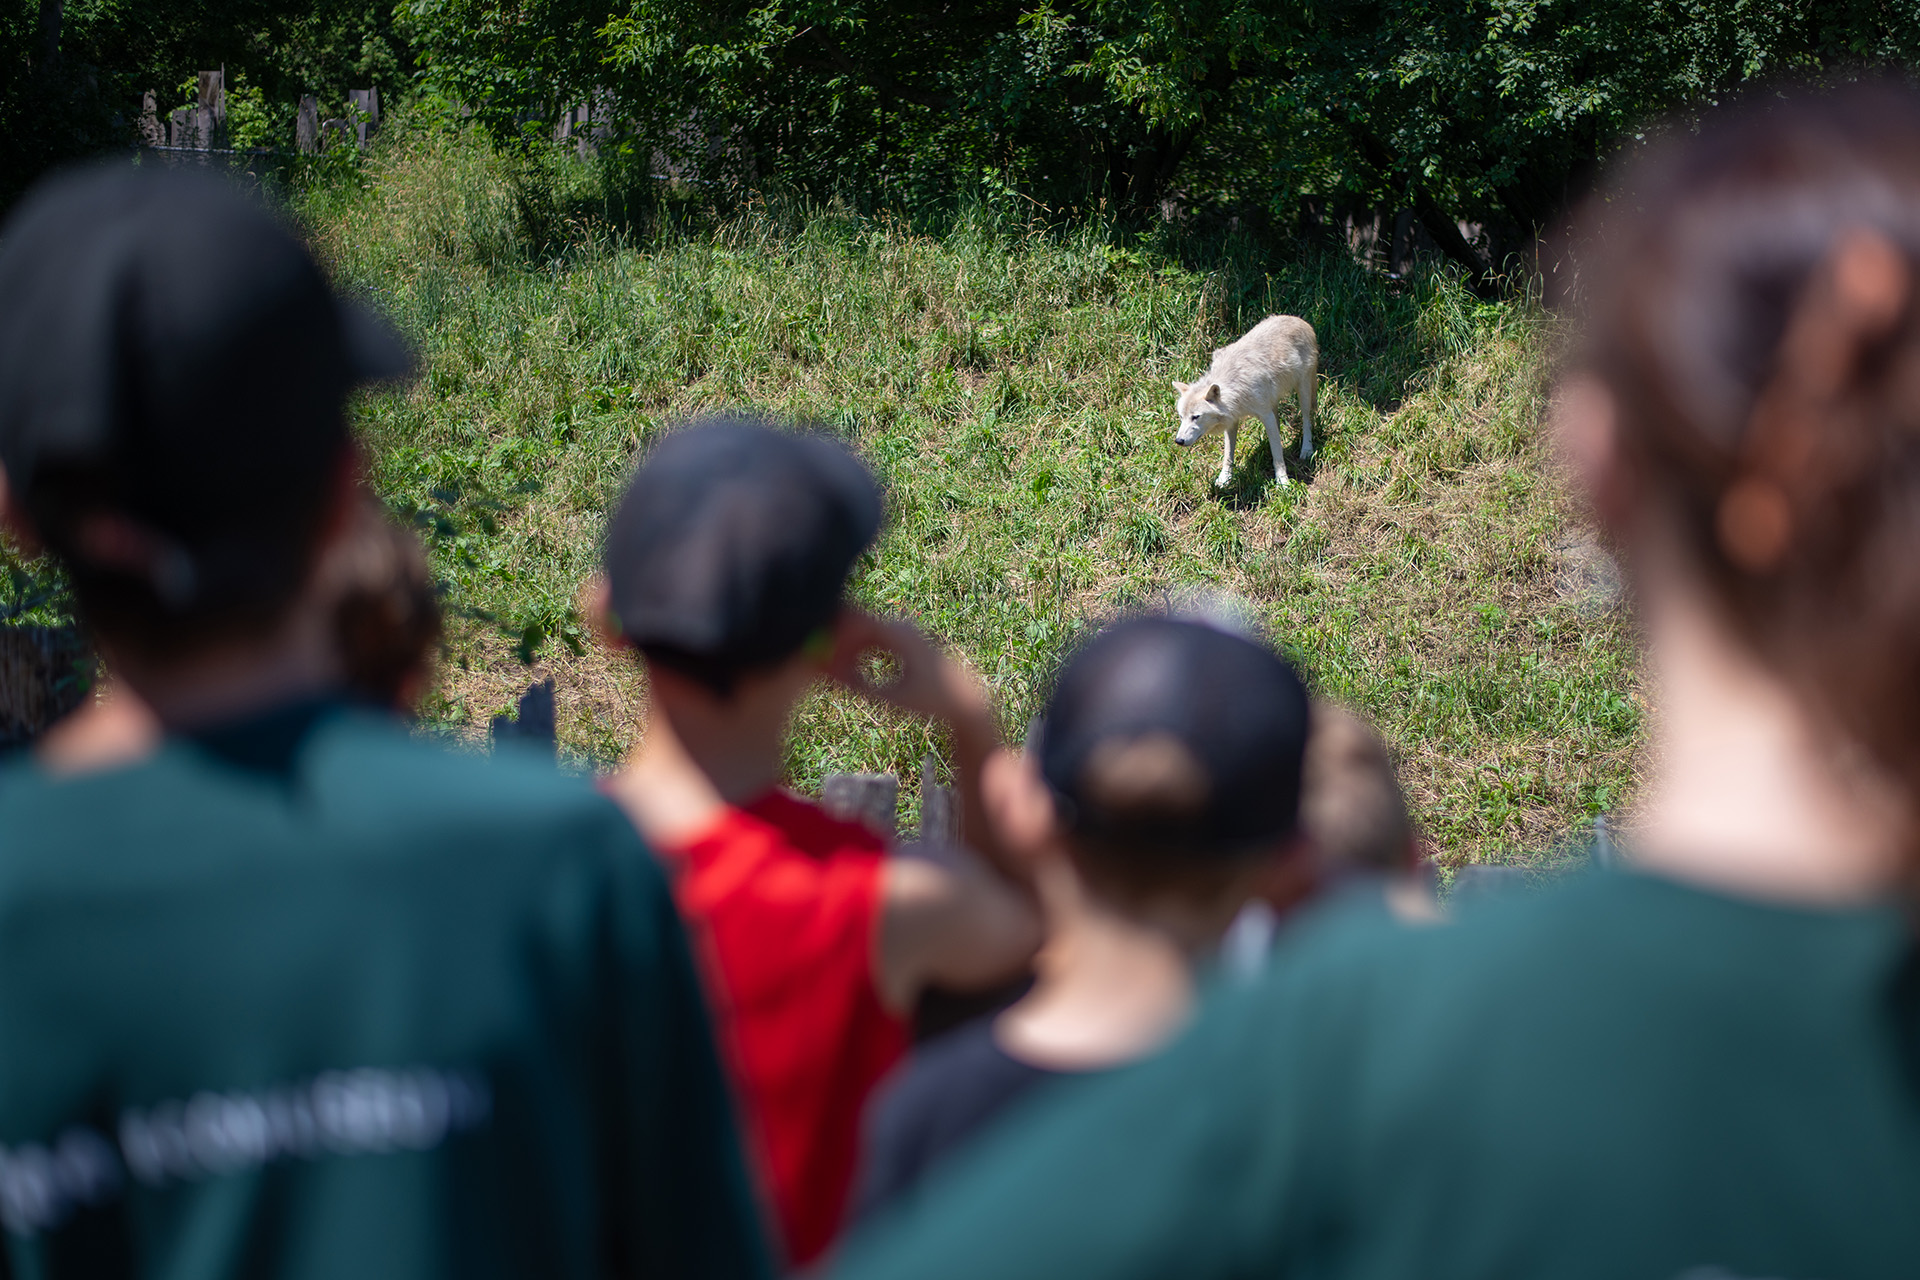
(782, 903)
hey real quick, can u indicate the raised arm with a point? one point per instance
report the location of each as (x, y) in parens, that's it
(930, 683)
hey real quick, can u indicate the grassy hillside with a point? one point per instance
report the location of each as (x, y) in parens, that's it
(1011, 388)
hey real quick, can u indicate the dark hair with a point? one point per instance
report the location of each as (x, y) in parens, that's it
(176, 591)
(1350, 801)
(387, 612)
(1754, 315)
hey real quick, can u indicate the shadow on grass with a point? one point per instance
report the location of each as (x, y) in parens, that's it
(1253, 483)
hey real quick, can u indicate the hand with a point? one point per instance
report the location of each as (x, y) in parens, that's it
(929, 683)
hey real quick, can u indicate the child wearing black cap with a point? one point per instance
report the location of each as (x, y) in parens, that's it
(1160, 796)
(725, 566)
(289, 991)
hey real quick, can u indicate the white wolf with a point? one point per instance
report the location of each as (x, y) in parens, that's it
(1246, 380)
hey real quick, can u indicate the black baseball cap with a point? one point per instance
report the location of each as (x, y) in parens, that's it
(733, 543)
(1164, 733)
(164, 330)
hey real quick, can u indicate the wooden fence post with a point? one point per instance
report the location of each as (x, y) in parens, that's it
(365, 104)
(45, 672)
(151, 134)
(536, 722)
(939, 814)
(872, 799)
(306, 125)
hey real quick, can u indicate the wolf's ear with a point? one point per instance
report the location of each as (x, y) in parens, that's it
(1180, 386)
(1213, 393)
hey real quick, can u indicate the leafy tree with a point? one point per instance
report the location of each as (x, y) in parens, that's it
(1464, 111)
(72, 72)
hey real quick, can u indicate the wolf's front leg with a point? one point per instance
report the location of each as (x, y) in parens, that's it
(1225, 477)
(1271, 422)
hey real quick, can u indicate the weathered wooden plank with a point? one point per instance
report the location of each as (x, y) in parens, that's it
(872, 799)
(939, 810)
(365, 108)
(44, 674)
(306, 126)
(152, 134)
(535, 724)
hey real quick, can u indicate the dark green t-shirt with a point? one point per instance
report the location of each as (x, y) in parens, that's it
(1623, 1078)
(310, 998)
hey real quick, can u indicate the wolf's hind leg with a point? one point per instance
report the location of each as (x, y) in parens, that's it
(1271, 422)
(1307, 381)
(1228, 437)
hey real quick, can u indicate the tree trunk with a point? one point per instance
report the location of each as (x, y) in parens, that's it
(50, 15)
(1446, 233)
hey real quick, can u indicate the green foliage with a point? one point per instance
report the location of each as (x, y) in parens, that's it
(81, 95)
(1009, 385)
(1488, 111)
(516, 64)
(251, 121)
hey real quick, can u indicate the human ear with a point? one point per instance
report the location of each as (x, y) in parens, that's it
(1018, 805)
(594, 603)
(1586, 434)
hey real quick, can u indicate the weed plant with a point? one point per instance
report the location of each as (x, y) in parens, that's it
(1010, 385)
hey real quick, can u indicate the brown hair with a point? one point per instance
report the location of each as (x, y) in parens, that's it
(1753, 313)
(387, 609)
(1350, 800)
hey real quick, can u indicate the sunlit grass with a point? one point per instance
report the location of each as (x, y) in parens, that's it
(1010, 386)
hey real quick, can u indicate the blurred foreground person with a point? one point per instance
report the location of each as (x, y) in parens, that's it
(112, 728)
(725, 565)
(294, 994)
(1356, 816)
(1707, 1067)
(386, 612)
(386, 627)
(1160, 796)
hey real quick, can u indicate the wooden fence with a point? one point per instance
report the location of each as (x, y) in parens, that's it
(44, 673)
(200, 129)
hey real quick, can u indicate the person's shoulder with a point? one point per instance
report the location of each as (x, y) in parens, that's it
(1356, 981)
(811, 829)
(367, 769)
(951, 1088)
(940, 1069)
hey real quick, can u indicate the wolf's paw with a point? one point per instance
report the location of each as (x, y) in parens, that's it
(1306, 451)
(1280, 478)
(1222, 480)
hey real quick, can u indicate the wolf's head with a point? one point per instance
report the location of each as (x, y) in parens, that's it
(1201, 412)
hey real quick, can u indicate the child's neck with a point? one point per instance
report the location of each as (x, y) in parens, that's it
(697, 756)
(1111, 987)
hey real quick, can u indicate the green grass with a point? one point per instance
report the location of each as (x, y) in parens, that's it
(1010, 386)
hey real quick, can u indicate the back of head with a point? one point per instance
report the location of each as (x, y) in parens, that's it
(387, 607)
(1756, 319)
(174, 371)
(1350, 803)
(1173, 751)
(733, 544)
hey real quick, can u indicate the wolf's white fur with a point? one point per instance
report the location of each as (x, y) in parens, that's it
(1246, 380)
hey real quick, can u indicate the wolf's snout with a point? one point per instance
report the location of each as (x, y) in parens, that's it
(1185, 436)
